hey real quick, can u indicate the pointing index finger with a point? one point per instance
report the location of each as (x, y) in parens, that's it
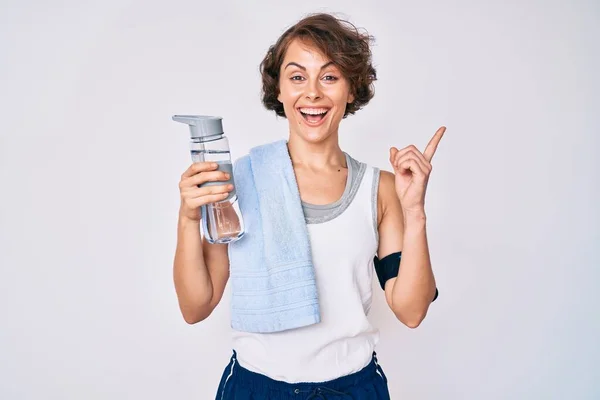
(433, 143)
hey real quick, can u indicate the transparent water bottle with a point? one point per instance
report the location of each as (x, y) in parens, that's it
(222, 221)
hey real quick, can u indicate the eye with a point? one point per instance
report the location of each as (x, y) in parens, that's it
(330, 78)
(297, 78)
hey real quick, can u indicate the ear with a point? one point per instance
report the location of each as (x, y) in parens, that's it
(279, 97)
(351, 98)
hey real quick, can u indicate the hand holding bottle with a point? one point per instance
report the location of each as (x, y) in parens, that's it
(193, 196)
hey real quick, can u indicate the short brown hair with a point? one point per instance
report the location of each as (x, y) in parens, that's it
(337, 39)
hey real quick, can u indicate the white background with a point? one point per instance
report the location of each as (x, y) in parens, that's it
(90, 161)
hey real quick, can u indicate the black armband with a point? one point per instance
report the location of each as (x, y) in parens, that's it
(388, 268)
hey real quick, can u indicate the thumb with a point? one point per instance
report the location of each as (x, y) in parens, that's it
(393, 152)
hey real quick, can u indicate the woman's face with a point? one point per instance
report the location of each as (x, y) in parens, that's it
(313, 92)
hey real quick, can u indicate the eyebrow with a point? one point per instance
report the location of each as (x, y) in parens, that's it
(304, 68)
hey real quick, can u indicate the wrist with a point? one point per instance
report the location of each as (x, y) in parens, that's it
(185, 221)
(414, 216)
(414, 222)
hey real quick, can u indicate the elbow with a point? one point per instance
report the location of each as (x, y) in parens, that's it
(192, 319)
(411, 317)
(412, 321)
(411, 312)
(193, 316)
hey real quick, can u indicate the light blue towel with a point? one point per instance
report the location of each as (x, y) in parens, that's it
(271, 271)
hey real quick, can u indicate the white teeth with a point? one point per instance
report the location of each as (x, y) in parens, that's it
(314, 111)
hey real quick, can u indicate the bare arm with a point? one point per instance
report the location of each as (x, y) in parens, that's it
(200, 269)
(411, 292)
(200, 272)
(402, 228)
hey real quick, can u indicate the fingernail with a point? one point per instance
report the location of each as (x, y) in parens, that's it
(227, 176)
(229, 187)
(214, 165)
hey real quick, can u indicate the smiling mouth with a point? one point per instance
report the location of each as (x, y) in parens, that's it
(313, 115)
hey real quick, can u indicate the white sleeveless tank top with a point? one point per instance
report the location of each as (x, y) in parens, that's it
(344, 240)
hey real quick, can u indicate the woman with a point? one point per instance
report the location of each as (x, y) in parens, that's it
(317, 73)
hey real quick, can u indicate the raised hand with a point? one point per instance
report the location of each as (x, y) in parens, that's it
(412, 169)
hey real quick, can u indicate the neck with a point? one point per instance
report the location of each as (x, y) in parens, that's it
(316, 155)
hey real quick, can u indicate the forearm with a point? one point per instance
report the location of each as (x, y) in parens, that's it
(414, 287)
(190, 273)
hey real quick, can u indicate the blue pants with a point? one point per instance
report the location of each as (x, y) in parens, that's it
(238, 383)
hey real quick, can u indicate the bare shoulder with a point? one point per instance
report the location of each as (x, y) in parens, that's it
(390, 221)
(386, 179)
(386, 194)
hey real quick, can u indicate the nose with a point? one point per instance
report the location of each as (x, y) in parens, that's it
(313, 90)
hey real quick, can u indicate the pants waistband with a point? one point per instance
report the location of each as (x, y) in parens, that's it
(261, 382)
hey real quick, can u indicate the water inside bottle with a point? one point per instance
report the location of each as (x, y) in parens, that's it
(221, 219)
(209, 155)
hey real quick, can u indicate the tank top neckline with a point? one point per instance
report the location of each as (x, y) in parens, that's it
(345, 194)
